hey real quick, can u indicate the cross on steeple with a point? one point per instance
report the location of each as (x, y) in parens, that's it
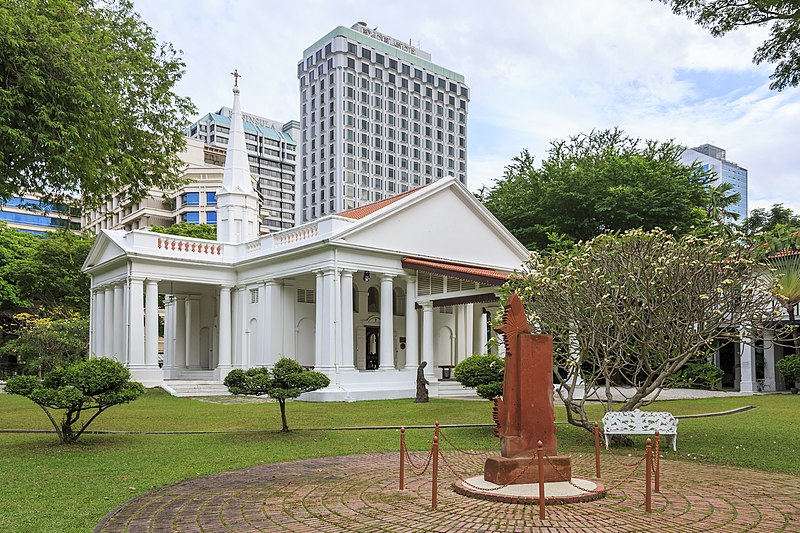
(236, 77)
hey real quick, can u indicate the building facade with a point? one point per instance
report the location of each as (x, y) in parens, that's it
(272, 153)
(713, 158)
(378, 118)
(363, 296)
(28, 213)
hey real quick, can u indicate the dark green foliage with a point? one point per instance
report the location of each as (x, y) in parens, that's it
(86, 101)
(777, 218)
(83, 387)
(700, 375)
(285, 380)
(603, 181)
(186, 229)
(782, 47)
(44, 344)
(484, 373)
(43, 271)
(789, 367)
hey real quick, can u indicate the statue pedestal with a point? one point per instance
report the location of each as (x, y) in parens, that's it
(516, 470)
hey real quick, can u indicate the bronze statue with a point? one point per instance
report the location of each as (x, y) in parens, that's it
(422, 390)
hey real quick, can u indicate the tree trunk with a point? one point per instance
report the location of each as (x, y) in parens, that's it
(282, 403)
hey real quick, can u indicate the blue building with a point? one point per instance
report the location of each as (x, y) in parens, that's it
(27, 213)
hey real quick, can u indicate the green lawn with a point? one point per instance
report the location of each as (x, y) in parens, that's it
(48, 487)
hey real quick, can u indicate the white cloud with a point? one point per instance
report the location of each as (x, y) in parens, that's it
(537, 71)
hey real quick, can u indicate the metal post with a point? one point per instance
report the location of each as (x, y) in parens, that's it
(540, 456)
(648, 462)
(402, 458)
(436, 430)
(658, 463)
(435, 470)
(597, 450)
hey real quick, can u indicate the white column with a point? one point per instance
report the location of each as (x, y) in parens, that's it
(224, 328)
(412, 323)
(237, 353)
(190, 316)
(151, 324)
(770, 383)
(179, 331)
(136, 317)
(169, 338)
(348, 348)
(387, 323)
(273, 321)
(483, 325)
(318, 312)
(109, 326)
(100, 324)
(427, 336)
(119, 323)
(326, 328)
(289, 299)
(748, 366)
(470, 331)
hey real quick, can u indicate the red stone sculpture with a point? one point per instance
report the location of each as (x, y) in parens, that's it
(525, 413)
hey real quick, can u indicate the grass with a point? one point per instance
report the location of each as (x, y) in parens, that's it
(48, 487)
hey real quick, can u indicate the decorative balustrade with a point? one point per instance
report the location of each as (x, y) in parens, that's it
(296, 235)
(189, 247)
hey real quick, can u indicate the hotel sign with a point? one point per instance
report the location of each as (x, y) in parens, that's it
(388, 40)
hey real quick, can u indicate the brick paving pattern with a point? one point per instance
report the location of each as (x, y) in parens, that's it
(360, 493)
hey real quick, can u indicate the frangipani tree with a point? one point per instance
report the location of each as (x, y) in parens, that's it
(632, 308)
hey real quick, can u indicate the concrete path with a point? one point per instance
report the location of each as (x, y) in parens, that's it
(360, 493)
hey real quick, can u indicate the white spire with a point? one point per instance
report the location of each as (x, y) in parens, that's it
(237, 167)
(237, 202)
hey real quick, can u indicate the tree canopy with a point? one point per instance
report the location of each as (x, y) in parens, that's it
(43, 272)
(187, 229)
(598, 182)
(86, 102)
(761, 220)
(782, 47)
(633, 308)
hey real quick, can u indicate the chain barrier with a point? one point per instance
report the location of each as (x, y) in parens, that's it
(620, 462)
(414, 468)
(584, 441)
(485, 489)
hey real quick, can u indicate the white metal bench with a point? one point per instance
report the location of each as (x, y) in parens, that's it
(640, 423)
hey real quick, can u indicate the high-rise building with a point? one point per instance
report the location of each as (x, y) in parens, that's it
(271, 153)
(271, 150)
(378, 117)
(713, 159)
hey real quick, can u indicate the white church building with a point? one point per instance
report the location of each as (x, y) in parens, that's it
(363, 296)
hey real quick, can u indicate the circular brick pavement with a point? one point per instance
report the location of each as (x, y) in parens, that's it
(360, 493)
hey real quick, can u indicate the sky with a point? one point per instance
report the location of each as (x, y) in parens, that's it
(538, 71)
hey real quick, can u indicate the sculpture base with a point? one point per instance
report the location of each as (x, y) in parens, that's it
(578, 490)
(518, 470)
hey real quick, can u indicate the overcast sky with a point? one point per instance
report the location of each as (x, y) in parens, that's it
(538, 71)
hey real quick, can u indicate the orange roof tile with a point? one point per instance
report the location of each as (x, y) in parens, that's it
(457, 270)
(364, 210)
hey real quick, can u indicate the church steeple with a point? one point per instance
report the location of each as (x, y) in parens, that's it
(237, 202)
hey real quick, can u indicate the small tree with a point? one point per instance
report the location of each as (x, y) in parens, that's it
(286, 379)
(187, 229)
(789, 368)
(484, 373)
(86, 387)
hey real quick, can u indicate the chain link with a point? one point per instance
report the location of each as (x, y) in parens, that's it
(456, 448)
(414, 467)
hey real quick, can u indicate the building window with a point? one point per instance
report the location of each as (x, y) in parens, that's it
(399, 302)
(253, 296)
(190, 198)
(373, 300)
(211, 217)
(211, 198)
(192, 217)
(355, 298)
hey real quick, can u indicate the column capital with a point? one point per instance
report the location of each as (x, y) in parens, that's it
(139, 279)
(152, 280)
(426, 306)
(348, 272)
(384, 276)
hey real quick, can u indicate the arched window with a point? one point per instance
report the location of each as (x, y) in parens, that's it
(373, 300)
(355, 298)
(399, 302)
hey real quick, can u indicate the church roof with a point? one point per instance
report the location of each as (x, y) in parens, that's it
(456, 270)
